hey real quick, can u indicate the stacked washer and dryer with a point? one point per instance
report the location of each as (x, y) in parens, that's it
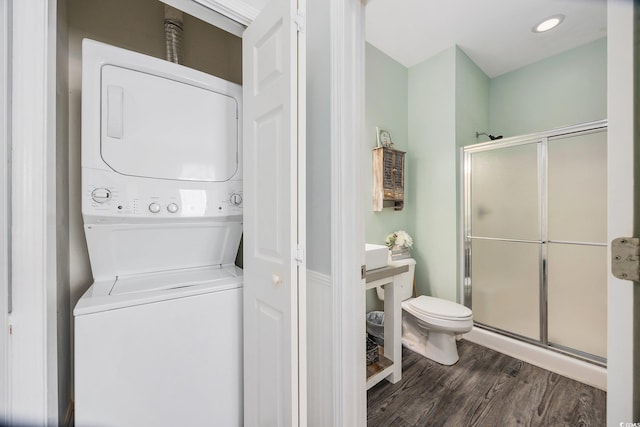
(158, 336)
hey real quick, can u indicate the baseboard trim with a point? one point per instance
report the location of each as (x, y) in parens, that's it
(567, 366)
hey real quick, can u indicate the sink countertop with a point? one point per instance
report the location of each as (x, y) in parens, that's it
(385, 272)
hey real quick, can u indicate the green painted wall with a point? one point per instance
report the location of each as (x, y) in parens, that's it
(565, 89)
(432, 173)
(386, 107)
(472, 115)
(472, 100)
(448, 99)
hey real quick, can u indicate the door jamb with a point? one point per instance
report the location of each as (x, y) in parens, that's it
(33, 359)
(5, 208)
(347, 201)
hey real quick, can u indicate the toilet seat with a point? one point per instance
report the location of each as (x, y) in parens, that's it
(436, 308)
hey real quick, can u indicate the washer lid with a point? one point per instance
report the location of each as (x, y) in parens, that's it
(165, 280)
(441, 308)
(120, 292)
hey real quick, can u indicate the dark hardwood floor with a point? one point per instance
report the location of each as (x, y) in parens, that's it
(485, 388)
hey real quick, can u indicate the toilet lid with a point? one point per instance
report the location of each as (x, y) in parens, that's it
(440, 308)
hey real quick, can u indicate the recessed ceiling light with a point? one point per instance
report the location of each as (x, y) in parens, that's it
(548, 24)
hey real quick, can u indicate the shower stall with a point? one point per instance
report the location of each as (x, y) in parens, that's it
(534, 238)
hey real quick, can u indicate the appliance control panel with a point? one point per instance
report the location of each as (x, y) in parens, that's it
(108, 194)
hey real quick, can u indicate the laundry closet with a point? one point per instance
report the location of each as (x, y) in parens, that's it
(140, 27)
(136, 25)
(50, 264)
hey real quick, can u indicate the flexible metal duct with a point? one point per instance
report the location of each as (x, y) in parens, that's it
(173, 34)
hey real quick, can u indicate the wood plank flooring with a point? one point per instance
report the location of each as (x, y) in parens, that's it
(485, 388)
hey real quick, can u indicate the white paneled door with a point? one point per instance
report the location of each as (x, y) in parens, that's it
(273, 284)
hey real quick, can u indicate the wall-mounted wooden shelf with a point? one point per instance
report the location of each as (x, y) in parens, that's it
(388, 178)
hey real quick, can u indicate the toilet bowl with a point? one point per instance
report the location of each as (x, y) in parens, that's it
(429, 325)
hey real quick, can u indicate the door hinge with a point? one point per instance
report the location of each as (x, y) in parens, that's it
(363, 271)
(299, 20)
(625, 258)
(299, 254)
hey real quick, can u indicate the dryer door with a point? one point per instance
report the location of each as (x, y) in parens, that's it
(156, 127)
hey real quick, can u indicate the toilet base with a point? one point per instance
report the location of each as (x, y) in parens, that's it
(438, 346)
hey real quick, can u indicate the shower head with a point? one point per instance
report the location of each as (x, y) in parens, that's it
(491, 137)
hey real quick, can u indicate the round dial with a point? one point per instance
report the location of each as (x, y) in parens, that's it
(154, 208)
(101, 195)
(235, 199)
(172, 208)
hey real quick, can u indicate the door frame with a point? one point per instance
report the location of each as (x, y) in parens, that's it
(347, 70)
(237, 10)
(620, 215)
(33, 361)
(5, 206)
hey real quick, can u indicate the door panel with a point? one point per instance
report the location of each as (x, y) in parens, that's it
(506, 292)
(271, 288)
(272, 183)
(577, 185)
(577, 298)
(504, 193)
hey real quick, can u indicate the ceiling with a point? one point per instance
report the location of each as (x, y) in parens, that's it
(495, 34)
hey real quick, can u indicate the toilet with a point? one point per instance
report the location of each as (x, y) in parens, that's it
(429, 325)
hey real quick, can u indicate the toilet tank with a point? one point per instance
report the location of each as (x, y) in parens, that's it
(404, 280)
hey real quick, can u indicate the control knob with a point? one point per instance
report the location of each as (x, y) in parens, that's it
(101, 195)
(172, 208)
(236, 199)
(154, 208)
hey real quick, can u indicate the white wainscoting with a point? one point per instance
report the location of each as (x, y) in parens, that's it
(319, 350)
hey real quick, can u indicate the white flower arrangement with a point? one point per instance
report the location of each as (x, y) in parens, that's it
(400, 239)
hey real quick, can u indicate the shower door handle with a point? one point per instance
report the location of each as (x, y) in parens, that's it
(467, 263)
(466, 281)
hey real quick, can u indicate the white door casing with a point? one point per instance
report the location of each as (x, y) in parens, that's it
(33, 357)
(5, 205)
(273, 287)
(348, 151)
(620, 209)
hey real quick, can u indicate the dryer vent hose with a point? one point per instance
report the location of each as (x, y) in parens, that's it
(173, 34)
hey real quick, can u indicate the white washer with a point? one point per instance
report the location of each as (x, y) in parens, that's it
(158, 336)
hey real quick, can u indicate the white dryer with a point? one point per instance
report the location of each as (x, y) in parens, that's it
(158, 336)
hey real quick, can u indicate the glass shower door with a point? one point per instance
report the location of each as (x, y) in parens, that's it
(535, 238)
(577, 248)
(504, 239)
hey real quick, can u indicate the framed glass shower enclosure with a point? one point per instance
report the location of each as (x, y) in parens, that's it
(534, 239)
